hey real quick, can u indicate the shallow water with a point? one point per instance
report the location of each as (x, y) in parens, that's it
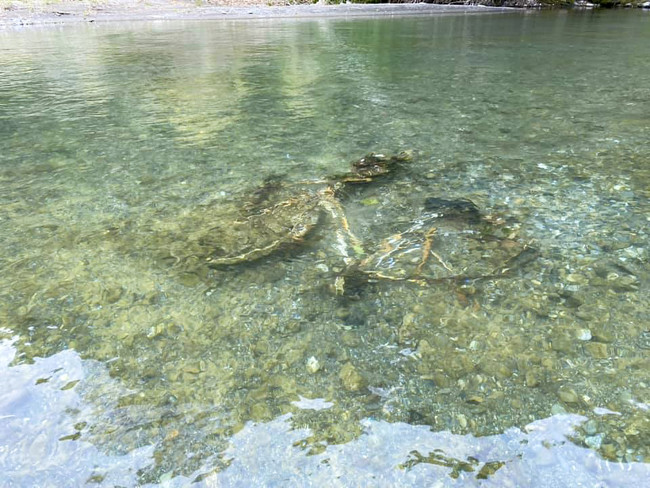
(518, 351)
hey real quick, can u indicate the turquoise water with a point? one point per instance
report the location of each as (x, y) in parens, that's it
(515, 353)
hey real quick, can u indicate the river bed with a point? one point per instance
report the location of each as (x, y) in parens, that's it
(516, 355)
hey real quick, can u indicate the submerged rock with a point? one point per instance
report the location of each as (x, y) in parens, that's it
(313, 365)
(460, 208)
(351, 378)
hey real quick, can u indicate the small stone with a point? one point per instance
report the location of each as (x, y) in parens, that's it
(576, 278)
(371, 201)
(350, 339)
(503, 371)
(608, 451)
(462, 420)
(598, 350)
(425, 349)
(260, 412)
(190, 280)
(568, 395)
(351, 379)
(339, 285)
(626, 283)
(583, 334)
(532, 380)
(591, 427)
(313, 366)
(408, 320)
(557, 409)
(112, 295)
(594, 441)
(406, 330)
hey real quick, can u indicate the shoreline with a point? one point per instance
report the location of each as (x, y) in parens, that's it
(68, 12)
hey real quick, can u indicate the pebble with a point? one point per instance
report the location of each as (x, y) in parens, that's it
(351, 379)
(408, 320)
(584, 334)
(568, 395)
(609, 451)
(313, 365)
(594, 441)
(591, 427)
(531, 379)
(425, 349)
(576, 278)
(557, 409)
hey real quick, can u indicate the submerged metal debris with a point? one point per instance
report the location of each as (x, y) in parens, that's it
(449, 240)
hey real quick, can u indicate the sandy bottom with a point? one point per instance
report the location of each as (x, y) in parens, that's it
(17, 13)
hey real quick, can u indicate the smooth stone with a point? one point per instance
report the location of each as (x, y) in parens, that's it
(568, 395)
(584, 334)
(557, 409)
(594, 441)
(591, 427)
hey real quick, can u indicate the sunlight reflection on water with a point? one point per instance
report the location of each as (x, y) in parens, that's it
(38, 423)
(37, 427)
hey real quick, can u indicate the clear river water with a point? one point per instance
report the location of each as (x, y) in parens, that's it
(189, 297)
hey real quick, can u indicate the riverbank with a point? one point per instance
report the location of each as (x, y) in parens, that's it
(22, 13)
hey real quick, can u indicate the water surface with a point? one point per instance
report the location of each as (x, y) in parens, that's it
(127, 359)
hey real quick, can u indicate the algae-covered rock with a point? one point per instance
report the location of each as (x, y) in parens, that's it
(352, 380)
